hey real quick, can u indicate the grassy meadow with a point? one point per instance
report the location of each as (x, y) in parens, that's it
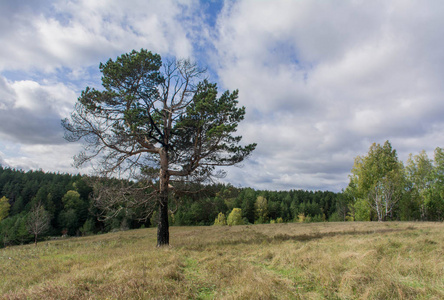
(354, 260)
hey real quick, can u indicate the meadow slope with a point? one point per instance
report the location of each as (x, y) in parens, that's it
(393, 260)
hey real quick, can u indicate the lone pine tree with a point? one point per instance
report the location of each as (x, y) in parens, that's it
(160, 121)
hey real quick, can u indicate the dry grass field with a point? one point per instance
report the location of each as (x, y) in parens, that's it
(276, 261)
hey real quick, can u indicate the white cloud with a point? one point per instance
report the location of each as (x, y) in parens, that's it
(73, 33)
(31, 112)
(2, 161)
(50, 158)
(323, 80)
(51, 46)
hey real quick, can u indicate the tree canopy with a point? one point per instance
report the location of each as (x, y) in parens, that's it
(157, 121)
(382, 188)
(378, 178)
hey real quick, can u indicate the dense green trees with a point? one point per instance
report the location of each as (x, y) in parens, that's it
(4, 208)
(426, 191)
(25, 190)
(66, 198)
(419, 189)
(381, 188)
(379, 179)
(74, 213)
(419, 172)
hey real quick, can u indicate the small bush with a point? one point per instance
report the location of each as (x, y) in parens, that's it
(88, 227)
(317, 218)
(235, 217)
(301, 218)
(220, 220)
(334, 217)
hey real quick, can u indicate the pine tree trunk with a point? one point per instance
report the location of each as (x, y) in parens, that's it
(163, 235)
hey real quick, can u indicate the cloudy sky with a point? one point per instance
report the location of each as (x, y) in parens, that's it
(321, 80)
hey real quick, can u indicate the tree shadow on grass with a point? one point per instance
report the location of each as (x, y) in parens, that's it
(319, 235)
(252, 237)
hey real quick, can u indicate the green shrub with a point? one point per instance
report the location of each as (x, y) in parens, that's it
(300, 218)
(235, 217)
(334, 217)
(88, 227)
(220, 220)
(317, 218)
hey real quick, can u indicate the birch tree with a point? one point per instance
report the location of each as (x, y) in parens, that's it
(419, 171)
(37, 221)
(379, 178)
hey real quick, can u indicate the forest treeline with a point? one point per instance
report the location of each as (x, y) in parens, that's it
(381, 188)
(67, 200)
(384, 188)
